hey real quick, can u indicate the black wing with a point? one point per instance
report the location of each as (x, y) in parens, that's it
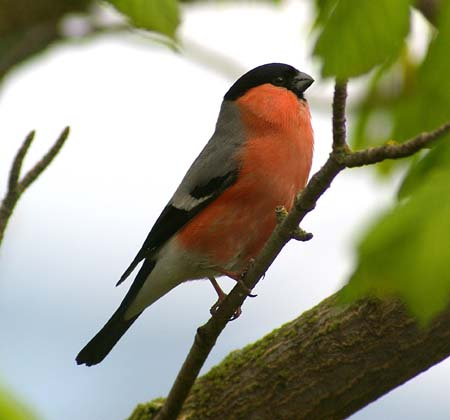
(172, 219)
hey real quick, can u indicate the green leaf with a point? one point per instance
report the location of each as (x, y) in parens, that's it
(437, 157)
(384, 89)
(324, 8)
(407, 251)
(428, 104)
(408, 97)
(356, 36)
(10, 409)
(155, 15)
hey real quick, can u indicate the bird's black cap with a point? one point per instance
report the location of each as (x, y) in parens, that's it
(277, 74)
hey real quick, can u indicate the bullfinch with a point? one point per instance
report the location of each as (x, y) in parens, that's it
(223, 212)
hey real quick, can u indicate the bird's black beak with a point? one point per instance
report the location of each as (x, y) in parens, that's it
(301, 82)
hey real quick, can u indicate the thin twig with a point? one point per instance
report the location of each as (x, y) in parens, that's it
(16, 167)
(40, 166)
(298, 234)
(392, 151)
(339, 102)
(340, 158)
(16, 187)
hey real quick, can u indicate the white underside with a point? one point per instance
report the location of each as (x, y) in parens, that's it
(174, 266)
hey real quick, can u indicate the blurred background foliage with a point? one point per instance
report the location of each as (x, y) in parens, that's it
(11, 409)
(406, 251)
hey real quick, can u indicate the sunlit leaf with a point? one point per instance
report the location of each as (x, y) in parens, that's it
(356, 36)
(384, 90)
(407, 251)
(428, 105)
(324, 8)
(374, 114)
(410, 96)
(154, 15)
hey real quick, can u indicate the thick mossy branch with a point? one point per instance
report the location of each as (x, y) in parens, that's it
(16, 187)
(328, 363)
(147, 410)
(28, 27)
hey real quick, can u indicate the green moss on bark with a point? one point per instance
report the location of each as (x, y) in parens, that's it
(148, 410)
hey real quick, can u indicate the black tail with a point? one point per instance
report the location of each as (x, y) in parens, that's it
(99, 347)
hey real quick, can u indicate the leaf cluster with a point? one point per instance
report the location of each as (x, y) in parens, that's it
(406, 251)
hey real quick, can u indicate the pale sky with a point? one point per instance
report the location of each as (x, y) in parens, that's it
(140, 114)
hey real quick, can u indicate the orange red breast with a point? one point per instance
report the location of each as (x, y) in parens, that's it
(275, 162)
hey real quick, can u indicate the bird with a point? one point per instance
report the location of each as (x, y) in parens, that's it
(223, 212)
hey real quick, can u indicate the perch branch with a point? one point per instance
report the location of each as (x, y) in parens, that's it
(340, 158)
(339, 101)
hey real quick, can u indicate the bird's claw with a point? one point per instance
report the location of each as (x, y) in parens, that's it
(241, 277)
(215, 307)
(247, 290)
(213, 310)
(237, 314)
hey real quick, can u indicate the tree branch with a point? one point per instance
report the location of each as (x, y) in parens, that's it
(16, 187)
(27, 43)
(339, 101)
(40, 166)
(328, 363)
(206, 335)
(392, 150)
(16, 167)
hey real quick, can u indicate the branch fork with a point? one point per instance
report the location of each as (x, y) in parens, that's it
(298, 233)
(17, 186)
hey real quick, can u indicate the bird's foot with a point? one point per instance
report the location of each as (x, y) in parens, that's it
(238, 276)
(213, 310)
(237, 314)
(246, 288)
(221, 295)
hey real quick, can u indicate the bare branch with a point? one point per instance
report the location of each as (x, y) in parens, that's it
(339, 100)
(17, 187)
(29, 42)
(16, 167)
(298, 234)
(392, 151)
(40, 167)
(206, 335)
(339, 159)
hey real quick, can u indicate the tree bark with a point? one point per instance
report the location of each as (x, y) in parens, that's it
(328, 363)
(28, 27)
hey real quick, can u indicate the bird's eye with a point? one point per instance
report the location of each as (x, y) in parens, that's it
(278, 81)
